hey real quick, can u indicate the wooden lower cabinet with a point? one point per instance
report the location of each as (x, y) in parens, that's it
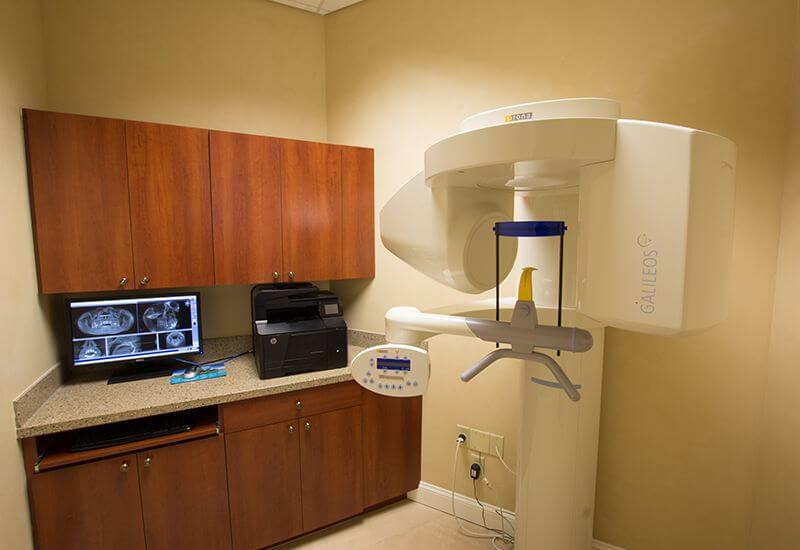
(331, 467)
(293, 477)
(90, 506)
(392, 432)
(264, 484)
(185, 496)
(286, 465)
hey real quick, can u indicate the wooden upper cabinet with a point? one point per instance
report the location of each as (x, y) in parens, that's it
(358, 217)
(130, 205)
(246, 202)
(170, 196)
(79, 201)
(184, 490)
(93, 506)
(311, 198)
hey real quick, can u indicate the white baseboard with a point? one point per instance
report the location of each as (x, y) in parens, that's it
(466, 507)
(468, 510)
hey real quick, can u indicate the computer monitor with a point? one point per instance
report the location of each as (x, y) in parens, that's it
(141, 331)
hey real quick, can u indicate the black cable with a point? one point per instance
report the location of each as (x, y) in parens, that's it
(213, 362)
(226, 359)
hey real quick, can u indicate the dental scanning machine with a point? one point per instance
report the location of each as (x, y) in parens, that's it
(630, 224)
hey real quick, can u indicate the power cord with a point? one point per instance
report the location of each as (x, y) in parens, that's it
(503, 462)
(213, 362)
(496, 534)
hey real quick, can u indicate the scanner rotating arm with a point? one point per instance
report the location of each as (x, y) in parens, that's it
(401, 367)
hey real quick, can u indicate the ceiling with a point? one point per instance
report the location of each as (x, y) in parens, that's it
(321, 7)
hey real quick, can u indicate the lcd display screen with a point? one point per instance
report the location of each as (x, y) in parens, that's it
(385, 363)
(114, 330)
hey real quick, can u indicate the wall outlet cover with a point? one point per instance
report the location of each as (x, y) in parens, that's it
(482, 442)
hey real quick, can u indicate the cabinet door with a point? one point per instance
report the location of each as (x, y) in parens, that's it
(358, 213)
(392, 446)
(264, 485)
(311, 195)
(331, 467)
(79, 201)
(93, 505)
(185, 495)
(170, 192)
(246, 206)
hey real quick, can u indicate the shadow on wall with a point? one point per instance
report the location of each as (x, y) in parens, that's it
(350, 292)
(52, 309)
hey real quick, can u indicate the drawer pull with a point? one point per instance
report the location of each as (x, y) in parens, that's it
(147, 462)
(308, 426)
(123, 281)
(123, 467)
(144, 280)
(291, 428)
(298, 405)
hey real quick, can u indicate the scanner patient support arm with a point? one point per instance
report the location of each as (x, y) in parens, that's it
(410, 326)
(563, 380)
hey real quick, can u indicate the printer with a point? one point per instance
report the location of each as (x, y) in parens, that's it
(297, 328)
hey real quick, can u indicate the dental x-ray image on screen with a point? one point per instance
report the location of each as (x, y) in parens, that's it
(114, 330)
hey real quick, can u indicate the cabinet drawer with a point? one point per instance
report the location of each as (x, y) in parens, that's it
(262, 411)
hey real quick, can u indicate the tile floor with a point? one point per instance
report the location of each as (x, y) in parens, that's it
(406, 525)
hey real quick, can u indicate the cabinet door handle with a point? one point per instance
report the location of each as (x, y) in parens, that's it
(147, 462)
(308, 426)
(123, 467)
(144, 280)
(298, 405)
(123, 281)
(291, 428)
(291, 275)
(275, 275)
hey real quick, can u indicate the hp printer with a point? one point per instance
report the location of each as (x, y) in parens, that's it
(297, 328)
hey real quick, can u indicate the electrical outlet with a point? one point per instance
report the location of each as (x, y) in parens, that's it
(482, 442)
(478, 458)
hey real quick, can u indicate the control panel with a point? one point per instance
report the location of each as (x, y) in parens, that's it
(396, 370)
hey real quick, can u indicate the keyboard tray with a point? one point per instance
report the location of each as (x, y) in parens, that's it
(54, 450)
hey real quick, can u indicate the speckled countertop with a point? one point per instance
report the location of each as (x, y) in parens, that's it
(82, 403)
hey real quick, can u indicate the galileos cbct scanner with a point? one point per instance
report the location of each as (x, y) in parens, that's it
(630, 225)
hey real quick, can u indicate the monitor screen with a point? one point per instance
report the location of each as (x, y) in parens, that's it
(114, 330)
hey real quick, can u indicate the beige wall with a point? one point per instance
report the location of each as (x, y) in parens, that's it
(680, 416)
(775, 524)
(26, 336)
(240, 65)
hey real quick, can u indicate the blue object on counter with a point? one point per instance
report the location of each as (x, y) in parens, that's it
(212, 369)
(205, 372)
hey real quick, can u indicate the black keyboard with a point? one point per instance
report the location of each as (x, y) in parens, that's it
(128, 431)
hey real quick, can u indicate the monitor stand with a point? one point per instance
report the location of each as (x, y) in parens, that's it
(142, 373)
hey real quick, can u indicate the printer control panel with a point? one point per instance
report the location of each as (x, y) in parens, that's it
(396, 370)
